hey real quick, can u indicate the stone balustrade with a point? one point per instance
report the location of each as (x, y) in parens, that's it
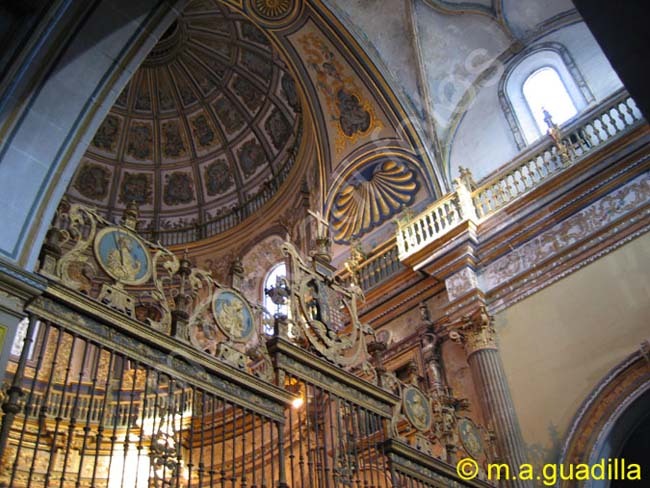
(607, 122)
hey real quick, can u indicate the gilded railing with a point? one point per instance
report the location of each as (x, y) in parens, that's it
(597, 127)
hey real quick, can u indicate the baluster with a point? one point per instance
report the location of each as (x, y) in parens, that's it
(453, 213)
(478, 204)
(526, 177)
(635, 110)
(600, 131)
(430, 230)
(608, 124)
(592, 137)
(617, 119)
(421, 223)
(441, 218)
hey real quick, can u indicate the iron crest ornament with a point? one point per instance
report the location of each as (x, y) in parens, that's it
(324, 312)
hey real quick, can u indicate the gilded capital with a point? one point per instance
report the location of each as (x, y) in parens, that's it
(478, 331)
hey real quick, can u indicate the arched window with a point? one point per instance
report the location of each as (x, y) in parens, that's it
(274, 279)
(542, 76)
(544, 90)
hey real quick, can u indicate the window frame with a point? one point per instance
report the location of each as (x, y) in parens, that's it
(511, 97)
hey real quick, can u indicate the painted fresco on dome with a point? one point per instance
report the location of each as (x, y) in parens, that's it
(140, 144)
(172, 140)
(218, 178)
(92, 181)
(143, 96)
(290, 93)
(223, 142)
(165, 98)
(257, 65)
(182, 84)
(136, 187)
(124, 96)
(203, 132)
(370, 197)
(247, 92)
(251, 157)
(107, 134)
(205, 81)
(228, 114)
(178, 189)
(216, 44)
(278, 129)
(252, 33)
(351, 111)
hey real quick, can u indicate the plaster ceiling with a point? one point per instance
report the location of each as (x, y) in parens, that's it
(207, 121)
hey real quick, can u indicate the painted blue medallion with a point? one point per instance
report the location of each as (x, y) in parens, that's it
(123, 256)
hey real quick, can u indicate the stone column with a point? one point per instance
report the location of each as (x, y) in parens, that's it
(479, 338)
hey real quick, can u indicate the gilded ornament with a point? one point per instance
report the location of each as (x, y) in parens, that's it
(325, 312)
(274, 13)
(372, 196)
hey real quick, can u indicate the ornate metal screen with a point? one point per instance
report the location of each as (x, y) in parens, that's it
(139, 370)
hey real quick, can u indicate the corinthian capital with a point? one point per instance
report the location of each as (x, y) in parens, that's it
(478, 331)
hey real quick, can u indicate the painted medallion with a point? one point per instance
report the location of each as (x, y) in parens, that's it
(123, 256)
(417, 408)
(470, 437)
(233, 315)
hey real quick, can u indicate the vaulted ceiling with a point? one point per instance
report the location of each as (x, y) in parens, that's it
(210, 118)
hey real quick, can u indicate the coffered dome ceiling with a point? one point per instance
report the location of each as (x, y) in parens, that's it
(207, 124)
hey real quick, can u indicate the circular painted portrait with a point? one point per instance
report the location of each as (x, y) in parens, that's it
(123, 256)
(233, 315)
(417, 408)
(470, 437)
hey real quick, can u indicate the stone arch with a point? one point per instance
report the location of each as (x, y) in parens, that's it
(609, 415)
(89, 51)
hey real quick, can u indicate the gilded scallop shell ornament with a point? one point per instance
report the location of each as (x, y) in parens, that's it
(377, 194)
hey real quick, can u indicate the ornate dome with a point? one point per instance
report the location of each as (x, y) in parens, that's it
(203, 134)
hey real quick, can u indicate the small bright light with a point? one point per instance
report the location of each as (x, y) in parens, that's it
(297, 402)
